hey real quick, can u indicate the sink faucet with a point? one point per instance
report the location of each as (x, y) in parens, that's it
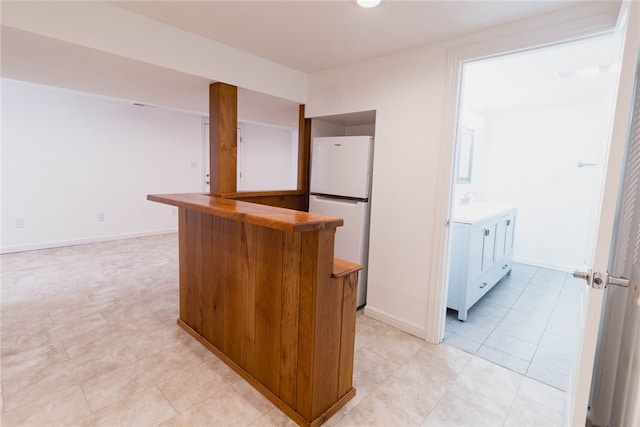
(467, 198)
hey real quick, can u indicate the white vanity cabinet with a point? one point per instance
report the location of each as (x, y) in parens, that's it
(481, 253)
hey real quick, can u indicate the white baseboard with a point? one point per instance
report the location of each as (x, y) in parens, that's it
(544, 264)
(392, 320)
(62, 243)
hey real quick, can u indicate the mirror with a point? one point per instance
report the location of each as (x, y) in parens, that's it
(465, 155)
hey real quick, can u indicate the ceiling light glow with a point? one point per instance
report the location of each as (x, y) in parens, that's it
(368, 3)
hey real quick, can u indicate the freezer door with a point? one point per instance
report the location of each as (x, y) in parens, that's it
(342, 165)
(352, 239)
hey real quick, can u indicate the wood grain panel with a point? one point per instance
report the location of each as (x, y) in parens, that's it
(268, 307)
(217, 285)
(297, 202)
(349, 284)
(306, 333)
(183, 261)
(304, 151)
(328, 327)
(208, 276)
(233, 296)
(248, 237)
(223, 120)
(290, 314)
(193, 312)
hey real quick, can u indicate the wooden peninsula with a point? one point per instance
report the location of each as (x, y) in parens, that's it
(259, 287)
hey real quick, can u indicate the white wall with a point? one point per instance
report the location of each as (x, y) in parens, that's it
(369, 130)
(267, 158)
(324, 128)
(533, 158)
(411, 164)
(69, 156)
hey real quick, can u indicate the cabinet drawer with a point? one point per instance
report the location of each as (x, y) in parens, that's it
(479, 287)
(502, 267)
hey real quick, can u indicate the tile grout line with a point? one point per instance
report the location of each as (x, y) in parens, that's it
(545, 327)
(449, 387)
(170, 403)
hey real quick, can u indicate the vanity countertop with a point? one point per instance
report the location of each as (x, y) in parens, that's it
(478, 212)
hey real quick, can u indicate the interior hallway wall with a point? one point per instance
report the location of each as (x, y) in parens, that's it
(68, 157)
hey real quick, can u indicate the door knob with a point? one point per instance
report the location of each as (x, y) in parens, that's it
(599, 280)
(582, 275)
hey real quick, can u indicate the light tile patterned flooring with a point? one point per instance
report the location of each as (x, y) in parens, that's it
(526, 323)
(89, 337)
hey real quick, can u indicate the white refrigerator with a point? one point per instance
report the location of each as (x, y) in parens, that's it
(340, 186)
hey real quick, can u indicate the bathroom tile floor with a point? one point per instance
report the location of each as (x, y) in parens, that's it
(89, 337)
(527, 323)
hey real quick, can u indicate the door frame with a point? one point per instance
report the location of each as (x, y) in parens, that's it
(560, 32)
(205, 176)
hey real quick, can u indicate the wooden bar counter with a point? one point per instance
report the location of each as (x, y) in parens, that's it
(259, 287)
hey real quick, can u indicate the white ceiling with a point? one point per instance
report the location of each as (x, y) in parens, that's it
(317, 35)
(303, 35)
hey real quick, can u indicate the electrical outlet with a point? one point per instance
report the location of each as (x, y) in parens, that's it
(194, 165)
(100, 217)
(20, 223)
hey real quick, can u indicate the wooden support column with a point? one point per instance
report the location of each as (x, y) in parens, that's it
(223, 136)
(304, 151)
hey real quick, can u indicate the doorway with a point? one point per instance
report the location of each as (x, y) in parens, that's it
(532, 134)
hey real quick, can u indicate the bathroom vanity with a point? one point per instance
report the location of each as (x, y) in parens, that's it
(481, 252)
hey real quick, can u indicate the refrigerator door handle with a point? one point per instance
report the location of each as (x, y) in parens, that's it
(337, 200)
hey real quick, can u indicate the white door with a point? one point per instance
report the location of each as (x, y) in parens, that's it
(591, 298)
(206, 167)
(341, 165)
(352, 239)
(626, 263)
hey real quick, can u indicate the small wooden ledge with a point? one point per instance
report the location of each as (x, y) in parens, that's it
(342, 268)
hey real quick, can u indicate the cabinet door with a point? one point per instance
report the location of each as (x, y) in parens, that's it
(509, 229)
(501, 236)
(475, 252)
(488, 245)
(504, 236)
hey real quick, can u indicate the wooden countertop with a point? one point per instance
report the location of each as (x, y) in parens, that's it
(251, 213)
